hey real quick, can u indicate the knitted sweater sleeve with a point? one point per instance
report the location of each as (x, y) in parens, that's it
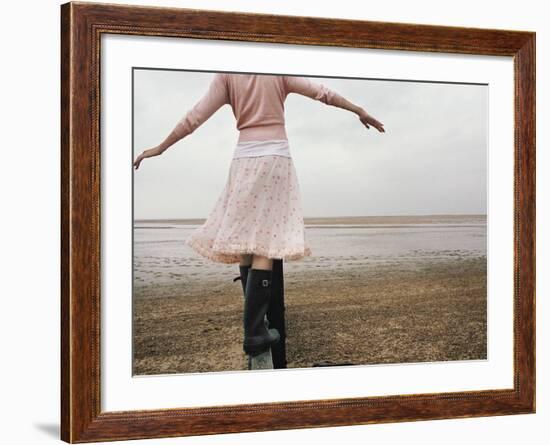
(316, 91)
(216, 96)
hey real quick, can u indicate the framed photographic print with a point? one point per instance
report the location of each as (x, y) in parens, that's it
(274, 222)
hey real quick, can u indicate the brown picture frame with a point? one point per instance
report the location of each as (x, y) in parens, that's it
(82, 25)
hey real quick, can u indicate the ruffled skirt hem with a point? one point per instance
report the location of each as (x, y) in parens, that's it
(231, 253)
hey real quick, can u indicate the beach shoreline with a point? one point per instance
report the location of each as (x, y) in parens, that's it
(403, 311)
(372, 219)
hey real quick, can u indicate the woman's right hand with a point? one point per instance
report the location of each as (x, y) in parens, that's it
(146, 154)
(367, 120)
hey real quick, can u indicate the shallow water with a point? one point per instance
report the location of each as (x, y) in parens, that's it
(161, 255)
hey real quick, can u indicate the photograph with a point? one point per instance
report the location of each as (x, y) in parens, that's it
(299, 221)
(277, 222)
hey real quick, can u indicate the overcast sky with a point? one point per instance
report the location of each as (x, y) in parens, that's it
(431, 160)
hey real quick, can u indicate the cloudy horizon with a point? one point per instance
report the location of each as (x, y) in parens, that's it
(432, 159)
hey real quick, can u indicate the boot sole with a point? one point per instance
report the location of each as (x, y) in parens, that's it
(259, 348)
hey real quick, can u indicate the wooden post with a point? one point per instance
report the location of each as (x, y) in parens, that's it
(276, 314)
(260, 361)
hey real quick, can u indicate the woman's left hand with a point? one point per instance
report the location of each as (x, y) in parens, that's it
(146, 154)
(138, 161)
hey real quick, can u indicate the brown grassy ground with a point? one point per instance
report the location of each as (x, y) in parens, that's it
(430, 311)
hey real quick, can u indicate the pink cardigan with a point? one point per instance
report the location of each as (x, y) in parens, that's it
(257, 102)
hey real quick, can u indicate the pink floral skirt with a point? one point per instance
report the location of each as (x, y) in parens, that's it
(258, 212)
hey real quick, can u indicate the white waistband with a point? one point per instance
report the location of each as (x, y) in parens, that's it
(279, 147)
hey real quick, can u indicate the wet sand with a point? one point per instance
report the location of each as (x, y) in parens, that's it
(397, 219)
(430, 308)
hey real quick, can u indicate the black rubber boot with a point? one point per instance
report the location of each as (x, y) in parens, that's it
(243, 276)
(257, 338)
(276, 314)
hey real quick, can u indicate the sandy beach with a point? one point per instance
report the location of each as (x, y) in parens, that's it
(407, 300)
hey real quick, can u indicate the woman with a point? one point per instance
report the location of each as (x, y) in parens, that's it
(258, 216)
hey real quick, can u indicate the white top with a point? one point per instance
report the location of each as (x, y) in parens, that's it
(278, 147)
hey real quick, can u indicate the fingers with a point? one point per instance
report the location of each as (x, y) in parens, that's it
(378, 125)
(369, 121)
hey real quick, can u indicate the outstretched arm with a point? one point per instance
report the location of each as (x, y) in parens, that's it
(213, 100)
(306, 87)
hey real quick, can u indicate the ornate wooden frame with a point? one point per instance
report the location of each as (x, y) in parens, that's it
(82, 25)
